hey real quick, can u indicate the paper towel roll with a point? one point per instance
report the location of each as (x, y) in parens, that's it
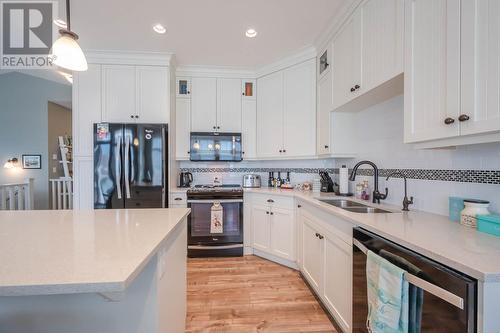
(343, 180)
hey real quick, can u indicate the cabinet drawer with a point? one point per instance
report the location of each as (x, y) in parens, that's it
(177, 199)
(274, 200)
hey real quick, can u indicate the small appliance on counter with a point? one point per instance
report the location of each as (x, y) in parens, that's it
(326, 182)
(251, 181)
(185, 179)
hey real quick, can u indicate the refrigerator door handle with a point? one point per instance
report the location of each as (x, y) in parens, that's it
(127, 168)
(118, 165)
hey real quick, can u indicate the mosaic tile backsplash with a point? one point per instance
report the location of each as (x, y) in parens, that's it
(463, 176)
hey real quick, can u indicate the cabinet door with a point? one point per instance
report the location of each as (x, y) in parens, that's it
(432, 69)
(270, 115)
(87, 103)
(229, 105)
(261, 228)
(337, 280)
(249, 128)
(118, 93)
(346, 62)
(153, 94)
(182, 128)
(382, 44)
(282, 233)
(323, 117)
(311, 253)
(480, 66)
(299, 129)
(203, 104)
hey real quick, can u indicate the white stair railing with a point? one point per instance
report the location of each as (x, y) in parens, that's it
(17, 196)
(61, 193)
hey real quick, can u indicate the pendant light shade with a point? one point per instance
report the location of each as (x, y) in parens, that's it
(66, 52)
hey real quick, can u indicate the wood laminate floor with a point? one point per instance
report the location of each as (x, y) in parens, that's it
(250, 294)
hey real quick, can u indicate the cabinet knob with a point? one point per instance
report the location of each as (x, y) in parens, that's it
(281, 151)
(267, 213)
(272, 213)
(178, 199)
(218, 127)
(299, 206)
(284, 150)
(449, 121)
(320, 236)
(270, 200)
(353, 89)
(243, 94)
(463, 117)
(132, 116)
(356, 87)
(326, 147)
(188, 92)
(136, 117)
(214, 127)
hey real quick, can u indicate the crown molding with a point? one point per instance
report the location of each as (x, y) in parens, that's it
(333, 28)
(129, 58)
(215, 71)
(296, 58)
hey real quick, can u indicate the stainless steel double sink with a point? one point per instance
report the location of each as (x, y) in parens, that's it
(353, 206)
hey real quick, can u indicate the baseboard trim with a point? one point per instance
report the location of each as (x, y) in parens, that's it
(278, 260)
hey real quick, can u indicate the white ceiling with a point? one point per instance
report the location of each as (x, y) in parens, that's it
(205, 32)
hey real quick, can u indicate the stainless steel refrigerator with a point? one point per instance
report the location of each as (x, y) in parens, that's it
(130, 166)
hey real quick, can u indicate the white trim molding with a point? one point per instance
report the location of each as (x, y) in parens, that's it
(129, 58)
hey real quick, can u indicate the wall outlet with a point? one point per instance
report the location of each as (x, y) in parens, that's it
(54, 170)
(217, 180)
(54, 157)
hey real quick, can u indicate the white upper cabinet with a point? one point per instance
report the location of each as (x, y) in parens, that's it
(87, 108)
(229, 105)
(270, 115)
(480, 67)
(118, 93)
(432, 69)
(346, 62)
(203, 104)
(135, 94)
(323, 114)
(182, 128)
(299, 126)
(286, 112)
(153, 94)
(382, 27)
(249, 128)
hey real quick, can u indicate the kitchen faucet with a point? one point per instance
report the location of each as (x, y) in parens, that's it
(406, 202)
(377, 196)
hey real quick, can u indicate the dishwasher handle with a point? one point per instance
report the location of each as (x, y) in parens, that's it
(437, 291)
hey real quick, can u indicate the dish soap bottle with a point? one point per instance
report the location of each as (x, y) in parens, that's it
(365, 194)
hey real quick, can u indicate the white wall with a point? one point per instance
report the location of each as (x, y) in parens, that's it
(24, 126)
(381, 134)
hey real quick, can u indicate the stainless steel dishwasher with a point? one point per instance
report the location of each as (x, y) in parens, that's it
(450, 297)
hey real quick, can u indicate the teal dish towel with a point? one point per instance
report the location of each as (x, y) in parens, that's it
(388, 293)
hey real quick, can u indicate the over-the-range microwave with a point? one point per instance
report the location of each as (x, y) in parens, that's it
(207, 146)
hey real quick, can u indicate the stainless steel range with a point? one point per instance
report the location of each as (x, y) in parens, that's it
(215, 225)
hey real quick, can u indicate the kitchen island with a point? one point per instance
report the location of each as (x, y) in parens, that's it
(93, 271)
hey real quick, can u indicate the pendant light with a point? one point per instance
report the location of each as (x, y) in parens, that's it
(66, 52)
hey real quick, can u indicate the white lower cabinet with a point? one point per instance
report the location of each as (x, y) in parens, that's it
(261, 229)
(273, 226)
(326, 263)
(337, 279)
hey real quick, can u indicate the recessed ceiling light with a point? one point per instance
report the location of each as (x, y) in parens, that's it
(159, 28)
(251, 33)
(60, 23)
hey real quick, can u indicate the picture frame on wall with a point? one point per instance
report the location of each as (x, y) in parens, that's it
(32, 161)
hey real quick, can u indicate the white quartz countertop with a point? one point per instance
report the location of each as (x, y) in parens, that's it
(474, 253)
(66, 252)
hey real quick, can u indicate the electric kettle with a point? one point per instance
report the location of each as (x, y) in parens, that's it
(185, 179)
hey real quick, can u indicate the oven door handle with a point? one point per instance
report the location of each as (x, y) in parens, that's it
(214, 200)
(437, 291)
(214, 247)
